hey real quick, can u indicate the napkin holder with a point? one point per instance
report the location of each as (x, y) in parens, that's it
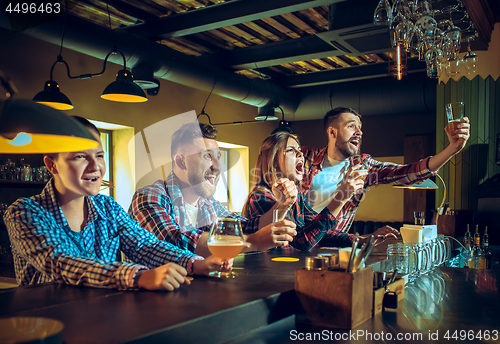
(333, 298)
(414, 234)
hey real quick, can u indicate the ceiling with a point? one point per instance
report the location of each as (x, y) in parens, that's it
(293, 43)
(290, 44)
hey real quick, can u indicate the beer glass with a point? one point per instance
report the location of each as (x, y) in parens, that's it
(418, 261)
(356, 160)
(225, 241)
(419, 217)
(454, 113)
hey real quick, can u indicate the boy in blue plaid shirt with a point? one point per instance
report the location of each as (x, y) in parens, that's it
(70, 234)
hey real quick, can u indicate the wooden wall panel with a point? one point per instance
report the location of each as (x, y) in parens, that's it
(477, 162)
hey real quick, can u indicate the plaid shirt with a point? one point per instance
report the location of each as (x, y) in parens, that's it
(311, 226)
(45, 249)
(160, 209)
(378, 173)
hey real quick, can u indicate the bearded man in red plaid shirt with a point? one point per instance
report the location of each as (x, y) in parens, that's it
(181, 209)
(342, 159)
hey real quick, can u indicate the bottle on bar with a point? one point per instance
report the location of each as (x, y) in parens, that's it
(485, 245)
(477, 261)
(467, 239)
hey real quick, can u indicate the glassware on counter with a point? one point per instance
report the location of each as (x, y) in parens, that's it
(400, 254)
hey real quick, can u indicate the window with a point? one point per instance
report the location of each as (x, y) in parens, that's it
(221, 191)
(106, 145)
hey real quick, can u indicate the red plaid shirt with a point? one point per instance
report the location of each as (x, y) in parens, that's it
(378, 173)
(311, 226)
(160, 209)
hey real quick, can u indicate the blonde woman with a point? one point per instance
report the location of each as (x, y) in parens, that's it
(276, 177)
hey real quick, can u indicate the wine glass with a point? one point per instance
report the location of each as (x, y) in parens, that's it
(470, 61)
(382, 14)
(225, 241)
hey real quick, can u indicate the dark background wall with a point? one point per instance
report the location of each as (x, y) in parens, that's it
(383, 135)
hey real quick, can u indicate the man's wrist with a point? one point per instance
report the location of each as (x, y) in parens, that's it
(136, 277)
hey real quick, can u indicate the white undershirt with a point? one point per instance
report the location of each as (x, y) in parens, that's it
(326, 182)
(192, 213)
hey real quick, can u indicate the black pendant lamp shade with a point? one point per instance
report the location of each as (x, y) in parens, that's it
(124, 89)
(27, 127)
(53, 97)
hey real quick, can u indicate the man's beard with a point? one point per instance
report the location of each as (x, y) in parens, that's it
(200, 185)
(346, 150)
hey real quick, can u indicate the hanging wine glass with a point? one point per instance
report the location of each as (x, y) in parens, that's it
(400, 7)
(403, 33)
(470, 61)
(426, 26)
(382, 14)
(453, 65)
(394, 35)
(433, 58)
(421, 8)
(417, 45)
(454, 34)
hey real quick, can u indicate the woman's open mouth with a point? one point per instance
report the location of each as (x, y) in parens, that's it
(299, 168)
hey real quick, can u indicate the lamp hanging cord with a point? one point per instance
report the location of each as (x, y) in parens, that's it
(206, 101)
(209, 94)
(282, 113)
(89, 75)
(203, 113)
(444, 198)
(450, 237)
(63, 33)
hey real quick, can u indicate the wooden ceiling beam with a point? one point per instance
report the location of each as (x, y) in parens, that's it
(483, 18)
(360, 72)
(221, 15)
(275, 53)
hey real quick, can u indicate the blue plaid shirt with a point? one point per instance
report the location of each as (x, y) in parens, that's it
(160, 209)
(45, 249)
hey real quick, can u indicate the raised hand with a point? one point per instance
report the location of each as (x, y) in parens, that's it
(458, 138)
(276, 234)
(285, 192)
(353, 181)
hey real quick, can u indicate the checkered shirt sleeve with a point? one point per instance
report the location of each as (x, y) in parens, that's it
(379, 173)
(161, 211)
(45, 251)
(311, 227)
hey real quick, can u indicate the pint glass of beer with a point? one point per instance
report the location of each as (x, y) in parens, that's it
(454, 113)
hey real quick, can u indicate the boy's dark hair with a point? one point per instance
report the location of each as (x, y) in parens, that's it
(189, 132)
(86, 123)
(83, 121)
(333, 114)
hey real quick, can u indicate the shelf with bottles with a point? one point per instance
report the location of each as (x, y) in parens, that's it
(22, 170)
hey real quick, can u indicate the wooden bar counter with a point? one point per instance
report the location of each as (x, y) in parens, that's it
(255, 307)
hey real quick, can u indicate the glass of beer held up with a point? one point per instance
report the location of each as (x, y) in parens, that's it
(225, 241)
(454, 113)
